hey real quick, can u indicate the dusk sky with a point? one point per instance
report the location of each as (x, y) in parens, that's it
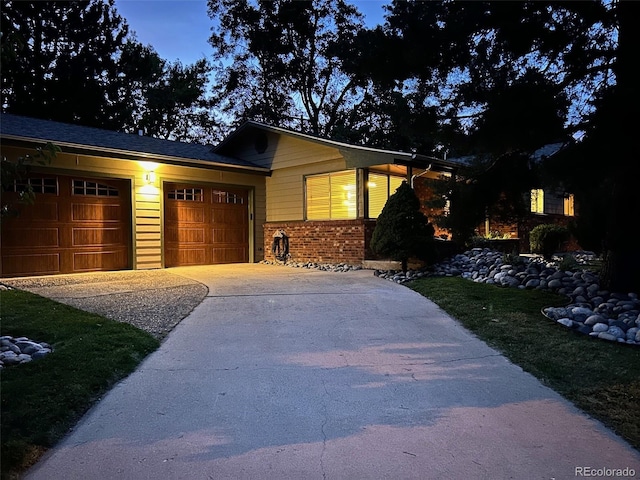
(179, 29)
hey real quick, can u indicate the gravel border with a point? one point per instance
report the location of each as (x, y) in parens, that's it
(153, 300)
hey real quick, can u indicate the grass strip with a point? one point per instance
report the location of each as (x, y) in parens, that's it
(43, 399)
(599, 377)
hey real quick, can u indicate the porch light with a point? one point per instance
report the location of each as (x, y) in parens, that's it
(149, 177)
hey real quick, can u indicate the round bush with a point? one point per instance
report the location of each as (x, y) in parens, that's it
(547, 239)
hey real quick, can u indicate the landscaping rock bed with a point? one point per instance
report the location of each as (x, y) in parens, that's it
(15, 351)
(591, 311)
(324, 267)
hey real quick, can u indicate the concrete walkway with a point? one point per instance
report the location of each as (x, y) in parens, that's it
(295, 374)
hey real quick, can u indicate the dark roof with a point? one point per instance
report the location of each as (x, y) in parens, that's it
(356, 155)
(94, 140)
(546, 151)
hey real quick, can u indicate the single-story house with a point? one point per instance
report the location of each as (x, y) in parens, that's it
(115, 201)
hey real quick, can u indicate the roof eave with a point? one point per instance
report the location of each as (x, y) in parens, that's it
(355, 155)
(136, 156)
(428, 162)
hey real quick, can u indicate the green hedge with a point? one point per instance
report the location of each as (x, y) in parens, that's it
(548, 239)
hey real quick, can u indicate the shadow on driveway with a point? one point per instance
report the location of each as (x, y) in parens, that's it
(283, 374)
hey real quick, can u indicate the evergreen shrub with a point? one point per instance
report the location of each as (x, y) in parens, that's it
(547, 239)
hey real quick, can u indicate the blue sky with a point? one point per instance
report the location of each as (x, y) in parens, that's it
(180, 29)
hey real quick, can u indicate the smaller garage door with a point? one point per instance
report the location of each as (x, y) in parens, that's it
(77, 224)
(205, 225)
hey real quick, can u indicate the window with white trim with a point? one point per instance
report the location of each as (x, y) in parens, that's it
(380, 187)
(331, 196)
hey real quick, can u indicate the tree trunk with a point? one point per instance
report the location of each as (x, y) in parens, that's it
(621, 269)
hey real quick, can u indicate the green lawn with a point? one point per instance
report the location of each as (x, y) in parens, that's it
(41, 400)
(601, 378)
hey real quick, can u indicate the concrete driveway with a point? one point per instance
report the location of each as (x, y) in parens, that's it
(294, 374)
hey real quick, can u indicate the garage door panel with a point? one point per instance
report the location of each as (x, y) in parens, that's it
(92, 212)
(31, 237)
(104, 259)
(236, 236)
(43, 210)
(183, 213)
(229, 255)
(84, 237)
(187, 256)
(231, 216)
(31, 264)
(220, 225)
(184, 235)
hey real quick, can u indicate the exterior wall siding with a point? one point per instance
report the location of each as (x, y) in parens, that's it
(147, 228)
(146, 199)
(337, 241)
(280, 151)
(285, 189)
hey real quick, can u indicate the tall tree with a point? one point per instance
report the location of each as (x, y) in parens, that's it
(58, 60)
(280, 61)
(584, 51)
(392, 119)
(75, 62)
(165, 100)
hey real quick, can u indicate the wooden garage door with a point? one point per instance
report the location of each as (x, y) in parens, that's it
(205, 225)
(76, 224)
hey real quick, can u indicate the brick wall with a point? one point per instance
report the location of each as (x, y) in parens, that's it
(335, 241)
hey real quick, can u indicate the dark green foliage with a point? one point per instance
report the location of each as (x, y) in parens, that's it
(516, 75)
(490, 186)
(15, 170)
(58, 60)
(75, 62)
(467, 210)
(280, 61)
(402, 231)
(547, 239)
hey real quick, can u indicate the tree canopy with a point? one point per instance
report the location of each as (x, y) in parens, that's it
(282, 61)
(75, 62)
(517, 75)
